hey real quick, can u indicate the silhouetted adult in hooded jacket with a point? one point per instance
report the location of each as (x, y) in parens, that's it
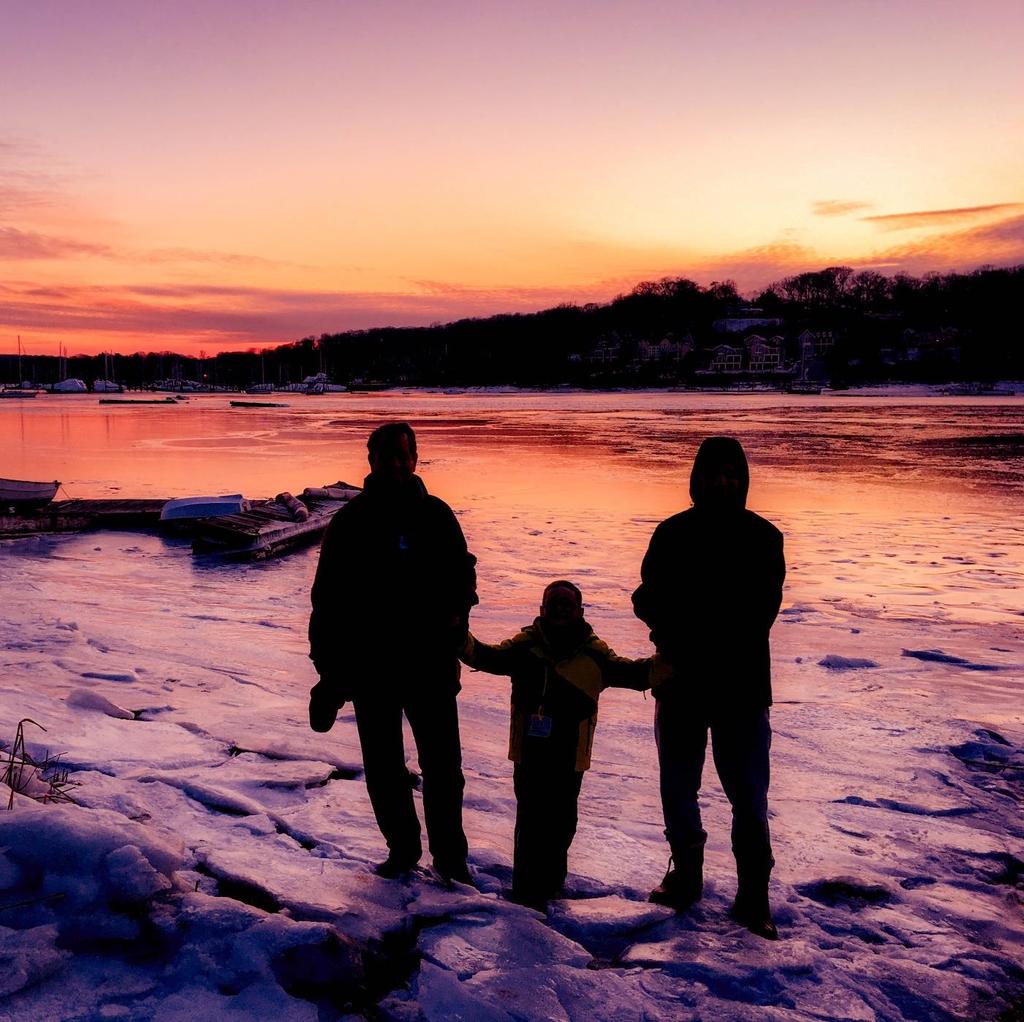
(391, 602)
(711, 588)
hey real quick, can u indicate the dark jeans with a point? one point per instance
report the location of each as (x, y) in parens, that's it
(434, 720)
(740, 743)
(546, 818)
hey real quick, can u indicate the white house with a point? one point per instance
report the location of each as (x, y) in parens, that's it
(814, 343)
(726, 359)
(763, 356)
(664, 350)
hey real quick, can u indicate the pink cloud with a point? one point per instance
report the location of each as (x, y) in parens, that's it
(17, 244)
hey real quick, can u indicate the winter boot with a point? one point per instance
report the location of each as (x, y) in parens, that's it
(683, 883)
(456, 872)
(397, 865)
(751, 908)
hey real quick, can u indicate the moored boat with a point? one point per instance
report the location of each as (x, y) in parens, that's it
(803, 387)
(137, 401)
(23, 494)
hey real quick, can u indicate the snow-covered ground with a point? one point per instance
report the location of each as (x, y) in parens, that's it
(216, 861)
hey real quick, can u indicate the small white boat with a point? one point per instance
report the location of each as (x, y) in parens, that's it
(23, 494)
(183, 511)
(106, 387)
(803, 387)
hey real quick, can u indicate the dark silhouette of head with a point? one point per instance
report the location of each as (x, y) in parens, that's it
(720, 477)
(562, 603)
(392, 452)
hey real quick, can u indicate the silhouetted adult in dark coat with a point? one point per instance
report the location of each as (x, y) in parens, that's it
(711, 588)
(391, 602)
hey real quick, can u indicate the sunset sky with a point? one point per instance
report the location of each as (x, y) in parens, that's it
(234, 173)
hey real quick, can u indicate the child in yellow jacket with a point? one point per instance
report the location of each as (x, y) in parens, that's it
(559, 668)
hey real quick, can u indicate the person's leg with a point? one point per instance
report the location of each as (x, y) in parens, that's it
(681, 735)
(741, 744)
(740, 747)
(566, 786)
(435, 726)
(379, 722)
(532, 857)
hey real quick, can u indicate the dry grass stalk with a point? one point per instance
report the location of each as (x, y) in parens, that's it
(22, 769)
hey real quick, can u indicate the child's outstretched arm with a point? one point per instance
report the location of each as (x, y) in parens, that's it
(622, 672)
(499, 659)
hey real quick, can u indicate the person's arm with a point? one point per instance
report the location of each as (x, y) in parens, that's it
(776, 576)
(619, 671)
(460, 565)
(496, 659)
(661, 600)
(646, 595)
(760, 600)
(329, 597)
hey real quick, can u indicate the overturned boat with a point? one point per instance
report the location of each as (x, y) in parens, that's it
(183, 513)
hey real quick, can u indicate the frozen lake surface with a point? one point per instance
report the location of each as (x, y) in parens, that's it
(217, 862)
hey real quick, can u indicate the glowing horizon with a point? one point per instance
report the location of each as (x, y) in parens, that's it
(234, 175)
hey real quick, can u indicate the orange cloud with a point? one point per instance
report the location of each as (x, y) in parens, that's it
(937, 217)
(837, 207)
(1000, 243)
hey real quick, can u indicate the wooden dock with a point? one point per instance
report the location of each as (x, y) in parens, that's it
(82, 515)
(267, 529)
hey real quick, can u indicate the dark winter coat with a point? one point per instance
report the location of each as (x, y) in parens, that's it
(393, 589)
(711, 587)
(562, 681)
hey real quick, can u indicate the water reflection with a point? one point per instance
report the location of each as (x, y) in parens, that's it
(627, 452)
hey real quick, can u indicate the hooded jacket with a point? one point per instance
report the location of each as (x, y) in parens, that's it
(711, 587)
(394, 585)
(559, 675)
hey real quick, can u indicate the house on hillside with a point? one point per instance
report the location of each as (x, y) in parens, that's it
(606, 350)
(815, 343)
(665, 350)
(726, 359)
(762, 356)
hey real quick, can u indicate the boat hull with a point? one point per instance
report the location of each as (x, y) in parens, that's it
(21, 493)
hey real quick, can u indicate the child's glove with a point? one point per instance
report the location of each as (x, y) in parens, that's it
(326, 698)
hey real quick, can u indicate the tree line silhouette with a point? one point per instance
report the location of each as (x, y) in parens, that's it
(934, 328)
